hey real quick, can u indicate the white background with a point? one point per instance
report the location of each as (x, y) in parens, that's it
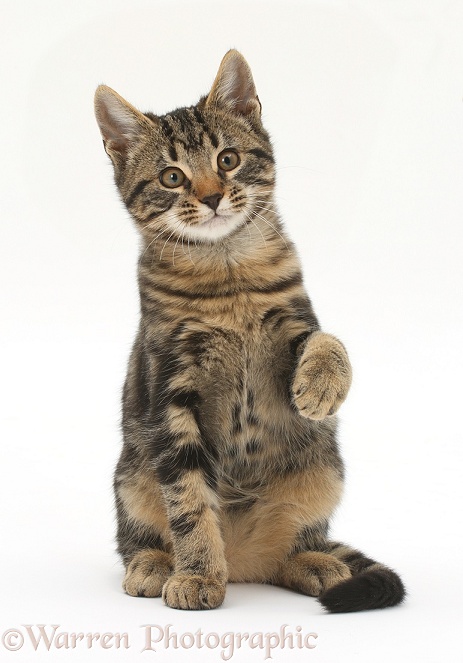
(364, 102)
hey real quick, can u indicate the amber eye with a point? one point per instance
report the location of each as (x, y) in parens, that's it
(172, 177)
(228, 160)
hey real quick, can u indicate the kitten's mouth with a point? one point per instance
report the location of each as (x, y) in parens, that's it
(215, 219)
(216, 226)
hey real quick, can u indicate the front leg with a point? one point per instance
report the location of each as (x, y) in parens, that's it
(322, 378)
(186, 469)
(200, 573)
(186, 463)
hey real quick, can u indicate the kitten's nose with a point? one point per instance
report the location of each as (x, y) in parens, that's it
(212, 201)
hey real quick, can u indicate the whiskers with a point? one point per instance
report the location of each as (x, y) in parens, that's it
(181, 238)
(173, 225)
(179, 225)
(170, 235)
(263, 206)
(251, 220)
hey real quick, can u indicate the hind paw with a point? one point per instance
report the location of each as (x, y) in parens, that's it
(147, 573)
(312, 573)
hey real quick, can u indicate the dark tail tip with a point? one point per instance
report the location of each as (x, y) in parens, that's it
(376, 588)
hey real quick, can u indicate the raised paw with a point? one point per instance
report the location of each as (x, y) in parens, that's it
(313, 572)
(192, 592)
(147, 573)
(322, 378)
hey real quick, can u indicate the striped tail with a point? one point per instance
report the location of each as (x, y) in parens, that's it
(371, 586)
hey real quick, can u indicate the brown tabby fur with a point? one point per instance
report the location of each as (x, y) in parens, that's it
(230, 469)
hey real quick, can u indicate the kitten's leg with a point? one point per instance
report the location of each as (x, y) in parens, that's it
(143, 536)
(180, 515)
(200, 569)
(184, 455)
(322, 378)
(186, 470)
(312, 572)
(142, 532)
(309, 568)
(147, 573)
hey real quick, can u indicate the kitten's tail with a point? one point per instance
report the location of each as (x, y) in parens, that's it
(371, 586)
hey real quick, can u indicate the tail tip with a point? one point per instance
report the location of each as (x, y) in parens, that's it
(369, 590)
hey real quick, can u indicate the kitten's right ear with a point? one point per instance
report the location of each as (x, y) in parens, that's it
(121, 124)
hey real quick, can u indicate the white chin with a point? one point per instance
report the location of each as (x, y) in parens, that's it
(214, 229)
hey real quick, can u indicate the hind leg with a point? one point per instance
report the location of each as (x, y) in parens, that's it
(312, 573)
(147, 558)
(145, 552)
(310, 567)
(147, 573)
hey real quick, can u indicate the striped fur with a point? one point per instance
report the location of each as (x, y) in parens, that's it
(230, 469)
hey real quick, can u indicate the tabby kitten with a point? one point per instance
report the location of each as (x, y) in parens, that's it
(230, 470)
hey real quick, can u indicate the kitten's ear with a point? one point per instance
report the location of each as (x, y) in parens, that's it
(121, 124)
(234, 86)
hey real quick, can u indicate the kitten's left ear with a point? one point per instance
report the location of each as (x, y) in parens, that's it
(234, 86)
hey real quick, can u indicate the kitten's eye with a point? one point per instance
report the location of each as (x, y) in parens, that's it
(172, 178)
(228, 160)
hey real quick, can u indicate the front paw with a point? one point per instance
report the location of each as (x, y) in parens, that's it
(322, 378)
(193, 592)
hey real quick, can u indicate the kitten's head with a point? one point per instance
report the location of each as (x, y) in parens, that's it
(200, 173)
